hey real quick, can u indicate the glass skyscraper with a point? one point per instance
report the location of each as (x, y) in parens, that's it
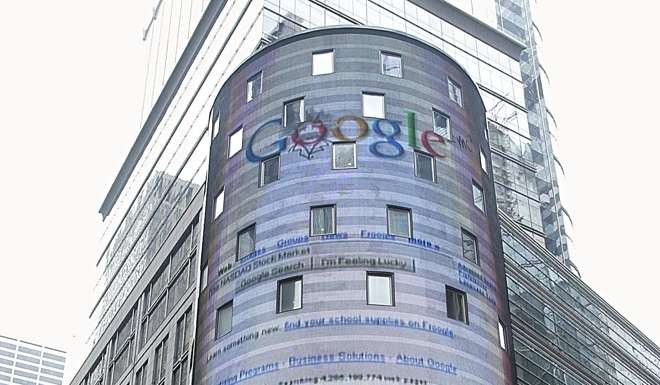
(163, 249)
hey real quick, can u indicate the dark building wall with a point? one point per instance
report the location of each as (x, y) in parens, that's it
(415, 334)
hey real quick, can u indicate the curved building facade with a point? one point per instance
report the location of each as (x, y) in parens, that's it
(351, 229)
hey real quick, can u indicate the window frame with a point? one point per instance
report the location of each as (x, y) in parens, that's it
(339, 143)
(280, 282)
(483, 200)
(229, 141)
(370, 93)
(410, 225)
(501, 334)
(389, 275)
(440, 112)
(434, 176)
(483, 161)
(311, 219)
(228, 304)
(238, 237)
(332, 64)
(300, 99)
(464, 299)
(451, 83)
(384, 53)
(262, 170)
(469, 234)
(259, 75)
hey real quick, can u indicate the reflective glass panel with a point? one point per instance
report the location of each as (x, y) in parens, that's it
(424, 166)
(343, 155)
(294, 112)
(322, 220)
(398, 221)
(254, 86)
(224, 319)
(456, 304)
(391, 64)
(379, 289)
(470, 247)
(373, 105)
(235, 142)
(441, 124)
(246, 242)
(323, 63)
(290, 294)
(270, 170)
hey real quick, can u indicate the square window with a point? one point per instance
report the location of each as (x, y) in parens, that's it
(478, 196)
(455, 93)
(470, 248)
(322, 220)
(269, 170)
(501, 334)
(380, 289)
(294, 112)
(254, 86)
(323, 62)
(289, 294)
(219, 205)
(456, 304)
(235, 142)
(391, 64)
(373, 105)
(344, 155)
(424, 166)
(245, 242)
(223, 319)
(441, 124)
(482, 159)
(398, 221)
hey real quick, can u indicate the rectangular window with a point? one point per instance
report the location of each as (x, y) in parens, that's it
(344, 155)
(391, 64)
(141, 375)
(373, 105)
(424, 166)
(323, 62)
(245, 241)
(219, 205)
(478, 196)
(254, 86)
(289, 294)
(160, 358)
(455, 93)
(482, 159)
(441, 124)
(398, 221)
(294, 112)
(235, 142)
(501, 334)
(269, 170)
(470, 248)
(322, 220)
(380, 289)
(456, 304)
(223, 319)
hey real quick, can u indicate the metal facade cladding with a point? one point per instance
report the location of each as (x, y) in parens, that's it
(336, 336)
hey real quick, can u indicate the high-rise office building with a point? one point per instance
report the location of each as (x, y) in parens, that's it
(27, 363)
(375, 202)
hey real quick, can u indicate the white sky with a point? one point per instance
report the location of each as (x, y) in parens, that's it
(71, 80)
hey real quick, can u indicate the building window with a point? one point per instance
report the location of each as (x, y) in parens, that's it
(344, 155)
(441, 124)
(294, 112)
(373, 105)
(254, 86)
(398, 221)
(323, 62)
(223, 319)
(141, 375)
(322, 220)
(219, 205)
(424, 166)
(160, 358)
(245, 241)
(235, 142)
(391, 64)
(289, 294)
(380, 289)
(478, 196)
(269, 170)
(205, 277)
(470, 248)
(182, 344)
(456, 304)
(501, 334)
(455, 93)
(482, 160)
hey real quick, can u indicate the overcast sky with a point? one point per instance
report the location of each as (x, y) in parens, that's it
(71, 80)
